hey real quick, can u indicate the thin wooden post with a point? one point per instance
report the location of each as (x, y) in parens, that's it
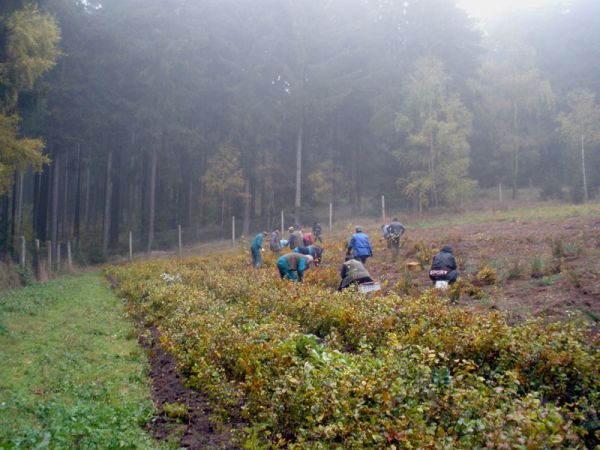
(130, 246)
(22, 251)
(179, 241)
(49, 248)
(38, 271)
(282, 222)
(58, 257)
(233, 231)
(69, 256)
(330, 217)
(383, 208)
(500, 191)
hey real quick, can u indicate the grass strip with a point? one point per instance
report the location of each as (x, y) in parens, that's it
(72, 376)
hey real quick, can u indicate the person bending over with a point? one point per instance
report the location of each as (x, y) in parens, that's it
(293, 265)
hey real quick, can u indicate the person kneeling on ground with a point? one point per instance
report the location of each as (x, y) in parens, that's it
(313, 250)
(353, 272)
(256, 248)
(293, 265)
(443, 267)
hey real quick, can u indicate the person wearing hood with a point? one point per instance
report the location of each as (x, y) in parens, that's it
(293, 265)
(353, 272)
(443, 267)
(359, 246)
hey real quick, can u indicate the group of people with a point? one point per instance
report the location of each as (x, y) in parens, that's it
(305, 253)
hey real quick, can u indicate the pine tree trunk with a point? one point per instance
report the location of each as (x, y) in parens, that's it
(107, 203)
(65, 206)
(585, 187)
(55, 185)
(77, 218)
(19, 212)
(298, 199)
(115, 206)
(151, 205)
(515, 180)
(86, 208)
(246, 224)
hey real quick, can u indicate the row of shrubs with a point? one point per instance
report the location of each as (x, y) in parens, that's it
(311, 368)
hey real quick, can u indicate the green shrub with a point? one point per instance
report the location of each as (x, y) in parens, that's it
(25, 275)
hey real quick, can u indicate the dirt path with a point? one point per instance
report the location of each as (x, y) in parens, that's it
(197, 431)
(533, 281)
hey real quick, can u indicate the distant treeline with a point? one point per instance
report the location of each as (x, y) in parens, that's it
(147, 114)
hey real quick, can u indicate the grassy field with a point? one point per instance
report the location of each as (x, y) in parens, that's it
(72, 373)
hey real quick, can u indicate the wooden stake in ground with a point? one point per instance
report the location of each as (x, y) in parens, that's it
(58, 256)
(22, 251)
(130, 246)
(330, 217)
(282, 221)
(49, 249)
(233, 231)
(69, 256)
(383, 208)
(179, 241)
(38, 269)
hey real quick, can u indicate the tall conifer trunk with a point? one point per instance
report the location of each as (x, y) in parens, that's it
(151, 206)
(107, 202)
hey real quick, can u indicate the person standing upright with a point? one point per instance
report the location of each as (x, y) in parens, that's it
(256, 249)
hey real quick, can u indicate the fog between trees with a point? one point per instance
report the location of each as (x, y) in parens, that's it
(143, 115)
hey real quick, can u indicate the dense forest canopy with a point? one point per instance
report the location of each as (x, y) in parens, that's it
(143, 115)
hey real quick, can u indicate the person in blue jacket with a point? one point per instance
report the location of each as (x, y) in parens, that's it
(293, 265)
(360, 247)
(256, 248)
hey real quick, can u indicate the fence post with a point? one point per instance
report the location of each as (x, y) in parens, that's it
(500, 191)
(130, 246)
(282, 222)
(330, 217)
(58, 257)
(49, 245)
(233, 231)
(69, 256)
(22, 251)
(383, 207)
(179, 241)
(38, 271)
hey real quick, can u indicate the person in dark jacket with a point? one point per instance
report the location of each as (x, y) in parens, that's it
(443, 267)
(392, 234)
(293, 265)
(313, 250)
(317, 230)
(353, 272)
(360, 247)
(256, 248)
(275, 242)
(295, 239)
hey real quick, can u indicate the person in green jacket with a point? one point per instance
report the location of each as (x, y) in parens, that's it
(256, 249)
(293, 265)
(353, 272)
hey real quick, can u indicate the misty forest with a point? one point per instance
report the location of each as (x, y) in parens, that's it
(120, 115)
(300, 224)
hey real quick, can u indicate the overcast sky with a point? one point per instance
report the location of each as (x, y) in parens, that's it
(487, 9)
